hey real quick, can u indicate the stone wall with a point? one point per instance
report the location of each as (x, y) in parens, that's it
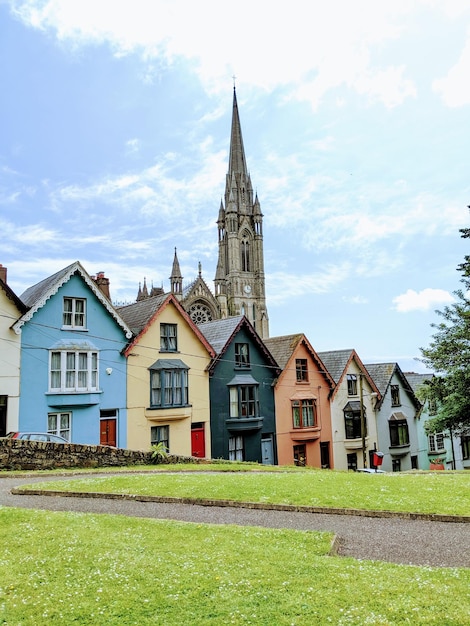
(17, 454)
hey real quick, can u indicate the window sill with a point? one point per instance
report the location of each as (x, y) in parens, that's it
(305, 434)
(80, 329)
(354, 444)
(401, 450)
(244, 423)
(168, 413)
(73, 398)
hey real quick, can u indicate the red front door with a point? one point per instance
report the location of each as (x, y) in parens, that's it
(198, 445)
(108, 432)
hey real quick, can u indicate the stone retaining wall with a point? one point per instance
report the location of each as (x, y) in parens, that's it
(17, 454)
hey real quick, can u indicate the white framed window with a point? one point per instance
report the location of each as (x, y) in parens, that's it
(59, 424)
(436, 442)
(74, 313)
(235, 448)
(73, 370)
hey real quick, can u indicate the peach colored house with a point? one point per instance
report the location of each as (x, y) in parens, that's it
(167, 378)
(302, 392)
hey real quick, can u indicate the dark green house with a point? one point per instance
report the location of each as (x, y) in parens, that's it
(243, 425)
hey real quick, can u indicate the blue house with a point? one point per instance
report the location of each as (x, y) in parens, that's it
(241, 384)
(73, 375)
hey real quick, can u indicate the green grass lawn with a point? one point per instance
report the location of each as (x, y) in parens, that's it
(422, 492)
(74, 568)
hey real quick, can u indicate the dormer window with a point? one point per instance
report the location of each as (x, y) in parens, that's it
(74, 313)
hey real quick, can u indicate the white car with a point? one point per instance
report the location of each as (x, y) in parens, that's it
(369, 470)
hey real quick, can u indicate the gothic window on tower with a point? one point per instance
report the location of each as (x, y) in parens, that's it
(245, 255)
(200, 313)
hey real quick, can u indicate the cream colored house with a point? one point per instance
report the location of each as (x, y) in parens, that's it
(354, 403)
(11, 308)
(167, 378)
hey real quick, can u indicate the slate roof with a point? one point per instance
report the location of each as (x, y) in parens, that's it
(416, 380)
(218, 332)
(382, 373)
(335, 362)
(36, 296)
(138, 314)
(31, 296)
(283, 347)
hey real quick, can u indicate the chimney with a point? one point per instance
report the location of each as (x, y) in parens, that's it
(102, 283)
(3, 273)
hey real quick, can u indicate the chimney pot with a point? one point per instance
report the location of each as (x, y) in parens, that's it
(3, 273)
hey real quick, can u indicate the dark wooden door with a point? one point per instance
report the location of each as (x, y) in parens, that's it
(198, 443)
(108, 432)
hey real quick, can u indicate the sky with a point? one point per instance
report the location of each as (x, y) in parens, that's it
(115, 127)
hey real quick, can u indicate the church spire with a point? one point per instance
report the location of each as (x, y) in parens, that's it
(239, 280)
(176, 279)
(237, 161)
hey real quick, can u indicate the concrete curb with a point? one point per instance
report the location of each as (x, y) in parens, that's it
(430, 517)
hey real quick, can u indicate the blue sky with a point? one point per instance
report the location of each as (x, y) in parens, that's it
(355, 117)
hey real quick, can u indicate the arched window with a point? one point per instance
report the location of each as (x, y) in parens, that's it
(245, 253)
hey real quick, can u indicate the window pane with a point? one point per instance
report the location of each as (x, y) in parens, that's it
(233, 402)
(296, 414)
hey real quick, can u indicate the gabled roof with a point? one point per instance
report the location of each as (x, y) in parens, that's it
(220, 334)
(141, 315)
(282, 348)
(137, 314)
(35, 297)
(11, 295)
(416, 380)
(337, 363)
(382, 375)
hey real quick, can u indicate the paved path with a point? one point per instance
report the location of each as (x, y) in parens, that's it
(414, 542)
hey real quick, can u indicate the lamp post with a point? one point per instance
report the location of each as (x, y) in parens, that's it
(363, 423)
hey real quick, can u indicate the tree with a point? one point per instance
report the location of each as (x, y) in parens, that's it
(449, 356)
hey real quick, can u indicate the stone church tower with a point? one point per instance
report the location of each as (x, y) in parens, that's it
(239, 279)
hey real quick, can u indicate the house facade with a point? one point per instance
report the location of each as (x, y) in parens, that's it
(168, 379)
(302, 399)
(353, 410)
(11, 308)
(438, 445)
(242, 375)
(397, 418)
(73, 375)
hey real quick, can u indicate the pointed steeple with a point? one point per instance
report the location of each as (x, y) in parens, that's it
(176, 278)
(237, 161)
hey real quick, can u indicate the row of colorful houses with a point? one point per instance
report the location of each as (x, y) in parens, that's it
(144, 374)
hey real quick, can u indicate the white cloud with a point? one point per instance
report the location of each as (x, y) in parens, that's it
(423, 300)
(296, 38)
(455, 87)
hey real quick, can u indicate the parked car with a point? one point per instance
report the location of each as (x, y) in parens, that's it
(38, 437)
(369, 470)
